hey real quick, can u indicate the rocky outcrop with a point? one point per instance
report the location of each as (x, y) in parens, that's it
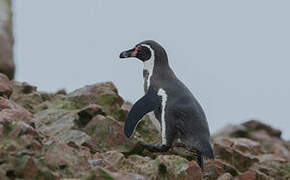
(80, 135)
(6, 39)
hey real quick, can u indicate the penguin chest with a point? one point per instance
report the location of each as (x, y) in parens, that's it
(146, 80)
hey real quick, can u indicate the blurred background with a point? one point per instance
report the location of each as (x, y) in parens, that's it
(233, 55)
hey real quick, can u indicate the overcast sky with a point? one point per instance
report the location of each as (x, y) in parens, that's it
(233, 55)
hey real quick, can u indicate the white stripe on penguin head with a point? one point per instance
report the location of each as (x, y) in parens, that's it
(149, 64)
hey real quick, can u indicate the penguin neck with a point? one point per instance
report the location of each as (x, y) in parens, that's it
(148, 72)
(150, 67)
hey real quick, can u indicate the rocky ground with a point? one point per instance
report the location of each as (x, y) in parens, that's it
(80, 135)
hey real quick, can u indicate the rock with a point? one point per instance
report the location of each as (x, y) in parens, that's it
(247, 145)
(27, 96)
(60, 156)
(226, 176)
(6, 39)
(107, 134)
(55, 122)
(80, 135)
(224, 148)
(60, 124)
(255, 125)
(192, 172)
(282, 172)
(217, 167)
(232, 131)
(104, 94)
(5, 86)
(253, 175)
(165, 166)
(268, 162)
(87, 113)
(281, 151)
(10, 111)
(249, 175)
(103, 174)
(126, 107)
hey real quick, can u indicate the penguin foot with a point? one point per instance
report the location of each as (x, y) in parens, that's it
(155, 147)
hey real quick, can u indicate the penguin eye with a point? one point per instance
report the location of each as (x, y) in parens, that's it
(144, 53)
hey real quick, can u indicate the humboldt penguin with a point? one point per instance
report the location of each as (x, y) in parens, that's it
(172, 107)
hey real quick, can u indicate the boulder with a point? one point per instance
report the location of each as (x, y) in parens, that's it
(10, 111)
(226, 176)
(242, 159)
(255, 125)
(6, 39)
(216, 168)
(5, 86)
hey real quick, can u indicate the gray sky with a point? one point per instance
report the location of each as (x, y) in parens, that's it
(233, 55)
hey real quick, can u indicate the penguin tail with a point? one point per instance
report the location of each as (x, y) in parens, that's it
(207, 151)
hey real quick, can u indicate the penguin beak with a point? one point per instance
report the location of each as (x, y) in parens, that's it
(128, 53)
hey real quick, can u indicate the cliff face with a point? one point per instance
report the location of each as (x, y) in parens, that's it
(6, 39)
(80, 135)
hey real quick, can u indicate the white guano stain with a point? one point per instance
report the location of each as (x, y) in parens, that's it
(163, 95)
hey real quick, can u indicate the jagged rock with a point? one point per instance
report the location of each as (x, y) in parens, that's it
(5, 86)
(60, 156)
(103, 174)
(9, 111)
(253, 175)
(6, 39)
(87, 113)
(232, 131)
(27, 96)
(224, 149)
(80, 135)
(217, 167)
(226, 176)
(107, 134)
(255, 125)
(101, 93)
(282, 172)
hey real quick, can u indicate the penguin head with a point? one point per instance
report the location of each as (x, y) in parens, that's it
(145, 51)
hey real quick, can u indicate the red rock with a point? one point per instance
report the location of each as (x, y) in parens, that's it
(194, 171)
(255, 125)
(5, 86)
(224, 148)
(30, 170)
(247, 145)
(87, 113)
(126, 108)
(59, 154)
(281, 151)
(12, 111)
(107, 134)
(232, 131)
(92, 94)
(6, 40)
(253, 175)
(217, 167)
(249, 175)
(226, 176)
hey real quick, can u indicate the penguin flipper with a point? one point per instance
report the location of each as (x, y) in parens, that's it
(149, 102)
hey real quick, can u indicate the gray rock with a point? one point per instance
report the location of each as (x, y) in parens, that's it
(6, 39)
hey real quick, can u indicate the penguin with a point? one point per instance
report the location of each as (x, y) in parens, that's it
(171, 105)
